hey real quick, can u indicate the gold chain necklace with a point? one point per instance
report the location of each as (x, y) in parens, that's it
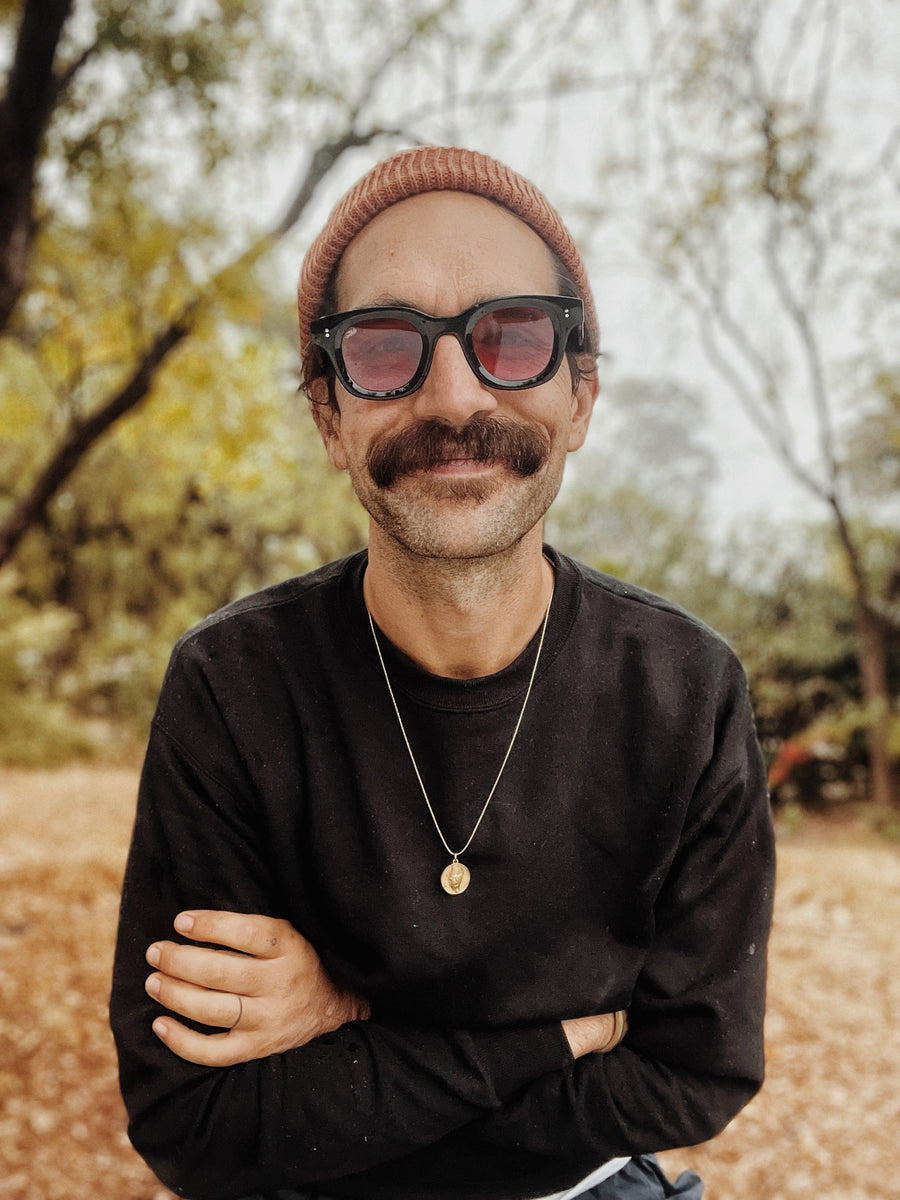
(455, 876)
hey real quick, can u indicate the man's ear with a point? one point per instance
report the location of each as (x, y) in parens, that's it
(583, 397)
(327, 417)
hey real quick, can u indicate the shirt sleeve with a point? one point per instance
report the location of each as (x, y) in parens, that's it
(693, 1056)
(366, 1094)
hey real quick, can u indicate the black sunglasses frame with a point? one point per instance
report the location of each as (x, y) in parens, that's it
(565, 312)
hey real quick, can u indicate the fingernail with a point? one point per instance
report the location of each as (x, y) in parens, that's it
(184, 922)
(159, 1027)
(153, 956)
(152, 985)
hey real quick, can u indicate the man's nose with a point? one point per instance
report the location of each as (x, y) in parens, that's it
(451, 390)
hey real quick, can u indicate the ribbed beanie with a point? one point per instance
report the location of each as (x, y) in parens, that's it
(431, 169)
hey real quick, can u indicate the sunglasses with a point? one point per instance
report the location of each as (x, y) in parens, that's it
(383, 353)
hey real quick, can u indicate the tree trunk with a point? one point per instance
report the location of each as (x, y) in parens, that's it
(24, 112)
(872, 656)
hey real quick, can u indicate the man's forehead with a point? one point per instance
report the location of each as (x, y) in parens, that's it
(451, 211)
(455, 236)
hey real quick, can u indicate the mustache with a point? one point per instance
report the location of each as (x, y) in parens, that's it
(432, 442)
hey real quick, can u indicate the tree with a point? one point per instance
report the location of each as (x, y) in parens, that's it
(93, 389)
(155, 159)
(768, 161)
(135, 117)
(25, 109)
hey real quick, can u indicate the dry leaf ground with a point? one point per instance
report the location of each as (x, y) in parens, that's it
(825, 1127)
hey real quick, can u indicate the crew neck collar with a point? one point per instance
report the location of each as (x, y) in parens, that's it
(442, 692)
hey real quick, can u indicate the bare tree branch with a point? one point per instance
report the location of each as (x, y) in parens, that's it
(320, 163)
(616, 79)
(793, 40)
(716, 317)
(800, 318)
(712, 319)
(65, 80)
(889, 155)
(825, 67)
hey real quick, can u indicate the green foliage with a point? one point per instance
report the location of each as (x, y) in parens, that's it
(36, 728)
(624, 531)
(149, 67)
(217, 487)
(800, 652)
(873, 445)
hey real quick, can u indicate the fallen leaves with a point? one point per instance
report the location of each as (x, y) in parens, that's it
(823, 1126)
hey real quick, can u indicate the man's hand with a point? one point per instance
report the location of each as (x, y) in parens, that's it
(601, 1033)
(267, 987)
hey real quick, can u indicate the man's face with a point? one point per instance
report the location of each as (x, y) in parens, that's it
(441, 253)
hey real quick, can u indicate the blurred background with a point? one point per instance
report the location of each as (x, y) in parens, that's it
(732, 173)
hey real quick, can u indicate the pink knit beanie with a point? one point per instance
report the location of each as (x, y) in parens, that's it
(431, 169)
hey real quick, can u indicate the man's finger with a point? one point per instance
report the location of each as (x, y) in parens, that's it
(218, 970)
(205, 1049)
(245, 932)
(223, 1010)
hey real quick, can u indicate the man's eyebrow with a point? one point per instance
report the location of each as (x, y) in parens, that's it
(388, 301)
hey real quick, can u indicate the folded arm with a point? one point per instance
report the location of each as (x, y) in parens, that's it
(366, 1092)
(362, 1094)
(693, 1056)
(267, 990)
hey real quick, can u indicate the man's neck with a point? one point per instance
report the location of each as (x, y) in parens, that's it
(459, 618)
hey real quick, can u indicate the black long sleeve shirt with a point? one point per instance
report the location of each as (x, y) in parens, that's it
(625, 861)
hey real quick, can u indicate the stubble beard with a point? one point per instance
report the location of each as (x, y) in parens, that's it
(434, 516)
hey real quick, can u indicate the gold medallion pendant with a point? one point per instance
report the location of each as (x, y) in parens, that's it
(455, 878)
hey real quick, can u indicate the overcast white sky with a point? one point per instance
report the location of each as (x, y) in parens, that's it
(558, 146)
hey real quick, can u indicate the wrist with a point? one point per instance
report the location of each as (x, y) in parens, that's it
(357, 1008)
(339, 1007)
(595, 1034)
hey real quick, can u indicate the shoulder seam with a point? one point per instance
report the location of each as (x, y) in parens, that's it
(638, 595)
(259, 601)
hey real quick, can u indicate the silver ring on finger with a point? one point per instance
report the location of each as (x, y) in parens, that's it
(240, 1012)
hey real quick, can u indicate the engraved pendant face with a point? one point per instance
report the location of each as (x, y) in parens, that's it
(455, 878)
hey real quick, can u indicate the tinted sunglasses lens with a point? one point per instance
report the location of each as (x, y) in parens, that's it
(514, 344)
(381, 354)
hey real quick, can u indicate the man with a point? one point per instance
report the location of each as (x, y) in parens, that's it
(430, 821)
